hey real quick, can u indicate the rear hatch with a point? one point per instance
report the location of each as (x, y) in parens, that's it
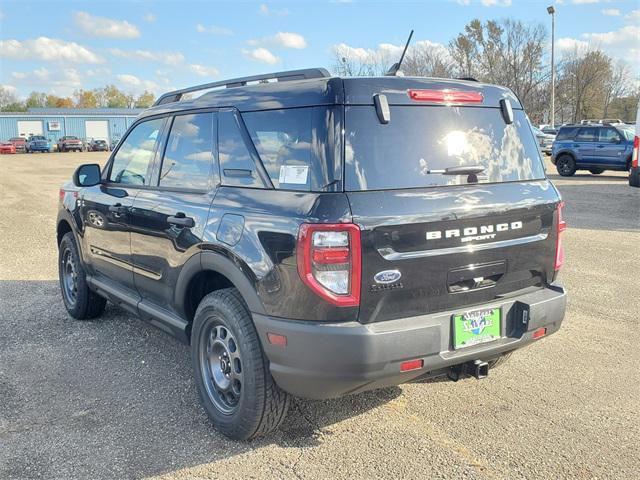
(432, 241)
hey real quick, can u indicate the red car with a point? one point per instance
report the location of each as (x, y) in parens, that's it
(20, 143)
(7, 147)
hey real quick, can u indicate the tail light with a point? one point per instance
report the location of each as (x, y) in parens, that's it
(329, 261)
(636, 147)
(445, 96)
(61, 193)
(561, 227)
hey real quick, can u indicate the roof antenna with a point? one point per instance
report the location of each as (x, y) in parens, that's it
(393, 71)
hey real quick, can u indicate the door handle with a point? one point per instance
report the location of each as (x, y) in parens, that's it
(118, 208)
(181, 220)
(600, 146)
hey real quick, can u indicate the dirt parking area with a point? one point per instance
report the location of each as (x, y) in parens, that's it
(114, 398)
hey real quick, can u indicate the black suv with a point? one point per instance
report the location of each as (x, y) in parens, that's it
(318, 236)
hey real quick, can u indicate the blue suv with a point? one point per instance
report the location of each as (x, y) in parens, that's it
(593, 147)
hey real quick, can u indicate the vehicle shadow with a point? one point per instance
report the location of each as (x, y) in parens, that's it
(600, 203)
(115, 398)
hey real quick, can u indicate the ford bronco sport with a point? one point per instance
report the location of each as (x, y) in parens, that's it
(317, 236)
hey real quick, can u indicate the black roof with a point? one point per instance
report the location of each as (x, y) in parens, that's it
(321, 90)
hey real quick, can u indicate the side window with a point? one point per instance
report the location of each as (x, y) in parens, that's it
(608, 135)
(134, 157)
(237, 166)
(586, 135)
(188, 157)
(283, 141)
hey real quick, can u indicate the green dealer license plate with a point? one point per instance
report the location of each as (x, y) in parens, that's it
(478, 326)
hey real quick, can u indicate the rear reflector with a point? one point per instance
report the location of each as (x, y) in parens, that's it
(411, 365)
(562, 226)
(539, 333)
(277, 339)
(445, 96)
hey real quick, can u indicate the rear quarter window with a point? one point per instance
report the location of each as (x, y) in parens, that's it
(567, 133)
(296, 146)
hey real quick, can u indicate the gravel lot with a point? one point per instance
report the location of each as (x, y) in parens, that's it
(114, 398)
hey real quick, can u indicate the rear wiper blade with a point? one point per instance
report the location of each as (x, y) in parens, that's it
(461, 170)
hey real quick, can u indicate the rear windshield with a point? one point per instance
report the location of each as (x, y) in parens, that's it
(418, 140)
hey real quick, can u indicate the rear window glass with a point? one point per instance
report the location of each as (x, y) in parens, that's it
(406, 152)
(295, 145)
(567, 133)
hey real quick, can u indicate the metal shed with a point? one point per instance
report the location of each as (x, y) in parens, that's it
(86, 123)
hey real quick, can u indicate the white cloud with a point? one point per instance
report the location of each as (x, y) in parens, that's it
(136, 85)
(585, 2)
(623, 44)
(633, 15)
(48, 49)
(290, 40)
(2, 16)
(150, 17)
(496, 3)
(265, 10)
(487, 3)
(568, 44)
(610, 12)
(105, 27)
(203, 70)
(385, 52)
(214, 30)
(60, 82)
(168, 58)
(281, 39)
(261, 54)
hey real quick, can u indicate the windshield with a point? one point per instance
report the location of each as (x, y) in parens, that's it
(627, 132)
(418, 140)
(36, 137)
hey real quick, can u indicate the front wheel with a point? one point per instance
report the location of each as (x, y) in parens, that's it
(79, 300)
(566, 165)
(235, 385)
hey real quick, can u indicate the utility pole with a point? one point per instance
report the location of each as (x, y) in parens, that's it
(552, 12)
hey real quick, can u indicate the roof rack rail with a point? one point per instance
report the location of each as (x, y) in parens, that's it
(305, 74)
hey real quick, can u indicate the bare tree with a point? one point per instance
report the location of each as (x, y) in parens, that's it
(584, 74)
(507, 52)
(427, 59)
(616, 86)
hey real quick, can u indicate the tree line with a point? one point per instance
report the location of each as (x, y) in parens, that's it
(106, 97)
(589, 83)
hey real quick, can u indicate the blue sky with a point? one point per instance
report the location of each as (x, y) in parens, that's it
(58, 47)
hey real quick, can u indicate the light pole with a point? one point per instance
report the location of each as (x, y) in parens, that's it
(552, 12)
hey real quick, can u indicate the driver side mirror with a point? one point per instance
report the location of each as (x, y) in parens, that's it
(87, 175)
(615, 140)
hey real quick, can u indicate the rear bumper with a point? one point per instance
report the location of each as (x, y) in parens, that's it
(324, 360)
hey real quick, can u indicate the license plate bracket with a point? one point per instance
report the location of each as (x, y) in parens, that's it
(476, 327)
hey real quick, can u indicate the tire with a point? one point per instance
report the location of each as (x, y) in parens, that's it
(566, 165)
(634, 178)
(596, 171)
(232, 373)
(79, 300)
(501, 360)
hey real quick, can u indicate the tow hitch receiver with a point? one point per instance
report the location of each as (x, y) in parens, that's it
(476, 368)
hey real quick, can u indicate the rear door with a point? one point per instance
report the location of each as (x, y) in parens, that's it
(584, 145)
(168, 218)
(434, 242)
(610, 148)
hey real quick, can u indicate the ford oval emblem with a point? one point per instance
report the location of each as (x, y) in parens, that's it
(387, 276)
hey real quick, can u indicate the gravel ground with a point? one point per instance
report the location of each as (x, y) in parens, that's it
(114, 398)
